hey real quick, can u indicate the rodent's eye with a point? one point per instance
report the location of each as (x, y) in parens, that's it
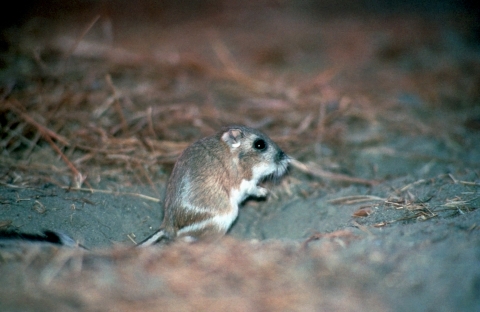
(260, 144)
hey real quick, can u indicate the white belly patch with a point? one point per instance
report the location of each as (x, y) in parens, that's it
(225, 220)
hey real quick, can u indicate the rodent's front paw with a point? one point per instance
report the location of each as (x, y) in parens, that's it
(261, 192)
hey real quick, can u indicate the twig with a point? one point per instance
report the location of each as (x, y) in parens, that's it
(315, 171)
(234, 72)
(131, 238)
(77, 42)
(150, 122)
(355, 199)
(116, 102)
(78, 178)
(362, 228)
(463, 182)
(91, 190)
(42, 129)
(147, 176)
(406, 187)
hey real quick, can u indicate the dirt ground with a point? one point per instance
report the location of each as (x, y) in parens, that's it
(380, 105)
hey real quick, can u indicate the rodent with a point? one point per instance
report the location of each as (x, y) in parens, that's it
(211, 178)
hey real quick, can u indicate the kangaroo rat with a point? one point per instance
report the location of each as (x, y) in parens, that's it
(211, 178)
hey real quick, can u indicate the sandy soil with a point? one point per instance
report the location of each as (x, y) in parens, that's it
(400, 92)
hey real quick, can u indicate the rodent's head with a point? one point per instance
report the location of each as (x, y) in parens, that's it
(254, 150)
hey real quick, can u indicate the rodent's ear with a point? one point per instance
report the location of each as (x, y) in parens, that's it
(232, 137)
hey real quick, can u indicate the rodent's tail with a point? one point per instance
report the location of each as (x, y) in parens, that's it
(157, 237)
(13, 238)
(49, 237)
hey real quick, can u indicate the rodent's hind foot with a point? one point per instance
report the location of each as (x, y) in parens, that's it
(157, 237)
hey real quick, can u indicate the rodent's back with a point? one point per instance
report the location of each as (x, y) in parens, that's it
(199, 183)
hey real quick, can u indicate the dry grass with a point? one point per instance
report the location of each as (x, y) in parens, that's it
(92, 111)
(404, 199)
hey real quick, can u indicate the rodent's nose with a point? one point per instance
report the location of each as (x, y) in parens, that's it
(280, 156)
